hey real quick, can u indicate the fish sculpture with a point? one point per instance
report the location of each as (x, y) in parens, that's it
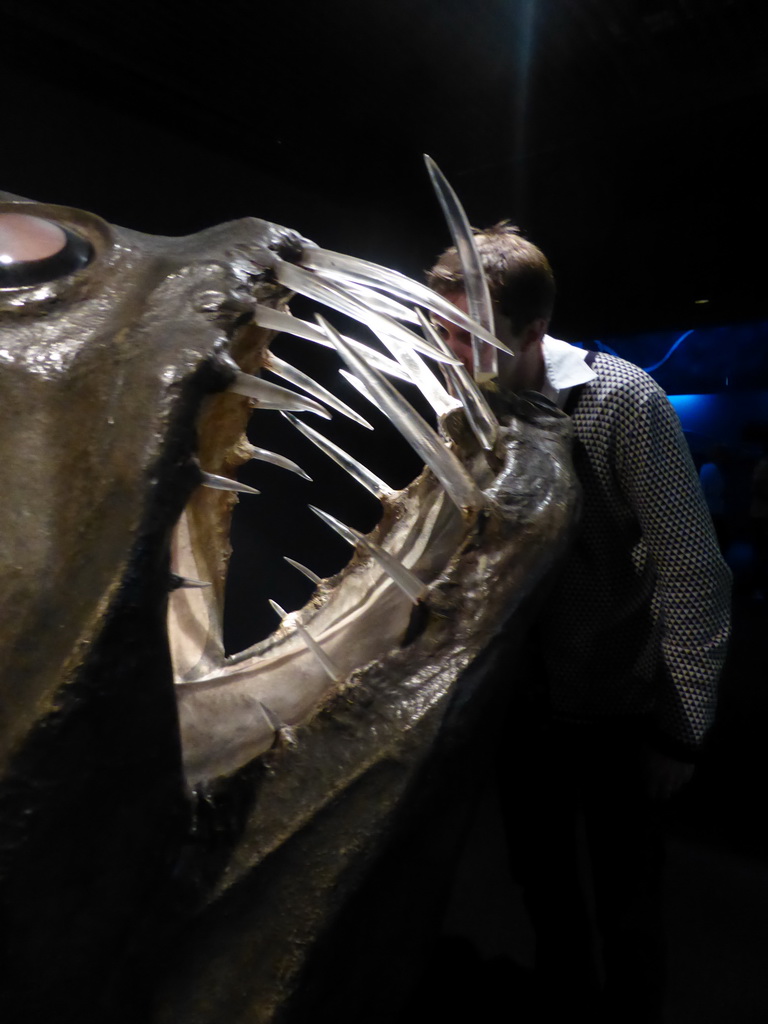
(187, 836)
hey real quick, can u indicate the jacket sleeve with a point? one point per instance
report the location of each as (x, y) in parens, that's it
(693, 583)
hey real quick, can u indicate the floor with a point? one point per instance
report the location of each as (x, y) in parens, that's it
(717, 878)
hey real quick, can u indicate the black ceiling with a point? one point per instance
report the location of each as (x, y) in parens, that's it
(625, 136)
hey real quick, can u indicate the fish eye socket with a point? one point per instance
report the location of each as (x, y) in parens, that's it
(35, 250)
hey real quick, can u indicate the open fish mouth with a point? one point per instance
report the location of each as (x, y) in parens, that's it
(232, 709)
(128, 374)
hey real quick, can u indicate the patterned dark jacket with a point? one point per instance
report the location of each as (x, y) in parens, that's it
(638, 622)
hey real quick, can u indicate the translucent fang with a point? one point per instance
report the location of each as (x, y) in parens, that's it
(302, 380)
(225, 483)
(276, 320)
(271, 717)
(272, 396)
(485, 361)
(303, 569)
(458, 485)
(411, 585)
(285, 732)
(422, 376)
(381, 303)
(358, 385)
(312, 645)
(350, 269)
(332, 294)
(262, 455)
(186, 583)
(355, 469)
(481, 419)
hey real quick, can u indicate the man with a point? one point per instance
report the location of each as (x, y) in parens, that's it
(618, 685)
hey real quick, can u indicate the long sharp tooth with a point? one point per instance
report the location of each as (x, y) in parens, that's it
(411, 585)
(186, 583)
(262, 455)
(328, 665)
(486, 365)
(314, 286)
(381, 303)
(422, 376)
(355, 469)
(481, 419)
(358, 385)
(277, 320)
(274, 720)
(272, 396)
(459, 486)
(303, 569)
(349, 268)
(301, 380)
(225, 483)
(278, 726)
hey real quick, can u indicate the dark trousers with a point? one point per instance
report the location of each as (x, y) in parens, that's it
(587, 846)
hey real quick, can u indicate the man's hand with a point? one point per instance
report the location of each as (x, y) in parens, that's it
(664, 776)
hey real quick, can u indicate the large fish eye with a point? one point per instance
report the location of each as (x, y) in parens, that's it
(34, 250)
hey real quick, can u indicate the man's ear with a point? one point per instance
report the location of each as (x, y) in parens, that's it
(534, 332)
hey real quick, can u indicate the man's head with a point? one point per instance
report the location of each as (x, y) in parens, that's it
(519, 276)
(522, 289)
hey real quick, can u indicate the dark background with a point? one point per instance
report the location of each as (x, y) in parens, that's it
(625, 136)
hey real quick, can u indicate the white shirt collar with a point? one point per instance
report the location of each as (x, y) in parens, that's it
(564, 368)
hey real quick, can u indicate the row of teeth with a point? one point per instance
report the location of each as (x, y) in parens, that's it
(352, 287)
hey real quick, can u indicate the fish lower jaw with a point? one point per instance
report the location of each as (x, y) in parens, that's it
(234, 709)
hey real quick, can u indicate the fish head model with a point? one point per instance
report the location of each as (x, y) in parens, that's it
(128, 368)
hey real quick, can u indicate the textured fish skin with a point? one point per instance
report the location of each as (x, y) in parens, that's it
(125, 896)
(391, 763)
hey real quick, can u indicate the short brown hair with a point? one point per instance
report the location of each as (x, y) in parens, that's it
(520, 278)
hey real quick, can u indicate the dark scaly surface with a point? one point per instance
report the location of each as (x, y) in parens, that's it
(105, 870)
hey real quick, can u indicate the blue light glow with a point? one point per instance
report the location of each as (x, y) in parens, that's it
(680, 340)
(719, 417)
(701, 360)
